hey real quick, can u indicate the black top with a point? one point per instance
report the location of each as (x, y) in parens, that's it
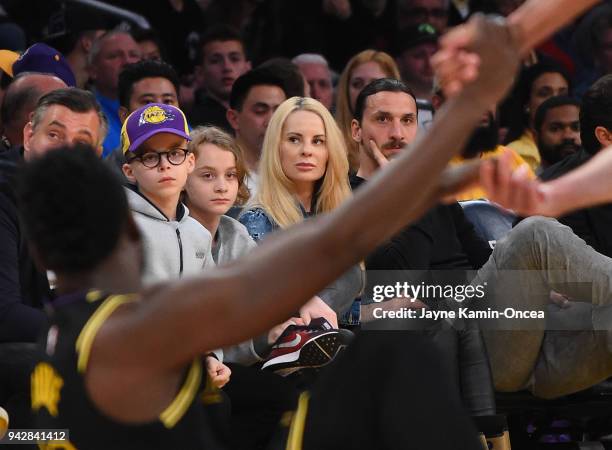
(594, 225)
(60, 399)
(208, 111)
(22, 286)
(442, 239)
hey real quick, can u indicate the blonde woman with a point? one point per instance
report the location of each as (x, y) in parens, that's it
(364, 67)
(303, 172)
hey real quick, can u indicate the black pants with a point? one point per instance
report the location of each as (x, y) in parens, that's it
(390, 390)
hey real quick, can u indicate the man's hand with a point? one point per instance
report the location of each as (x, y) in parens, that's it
(218, 372)
(275, 332)
(315, 308)
(379, 157)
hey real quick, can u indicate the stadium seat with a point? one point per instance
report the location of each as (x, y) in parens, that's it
(491, 223)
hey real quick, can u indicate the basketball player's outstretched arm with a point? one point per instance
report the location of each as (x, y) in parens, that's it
(530, 24)
(588, 185)
(229, 304)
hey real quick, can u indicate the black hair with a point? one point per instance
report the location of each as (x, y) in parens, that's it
(288, 72)
(16, 100)
(72, 207)
(148, 68)
(550, 103)
(256, 77)
(596, 111)
(222, 33)
(522, 92)
(376, 86)
(76, 100)
(141, 35)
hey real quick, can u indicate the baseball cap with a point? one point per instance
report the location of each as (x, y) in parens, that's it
(150, 120)
(7, 59)
(41, 58)
(415, 35)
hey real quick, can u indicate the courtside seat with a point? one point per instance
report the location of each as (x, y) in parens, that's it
(491, 223)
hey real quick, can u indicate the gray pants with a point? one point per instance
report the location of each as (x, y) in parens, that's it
(546, 355)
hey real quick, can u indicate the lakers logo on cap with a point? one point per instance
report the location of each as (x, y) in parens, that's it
(154, 115)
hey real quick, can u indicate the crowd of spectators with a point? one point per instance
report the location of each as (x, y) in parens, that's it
(227, 125)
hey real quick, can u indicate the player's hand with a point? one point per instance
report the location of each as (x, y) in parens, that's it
(456, 179)
(482, 53)
(514, 190)
(218, 372)
(316, 308)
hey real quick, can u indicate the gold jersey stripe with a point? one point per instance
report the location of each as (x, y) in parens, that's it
(173, 413)
(89, 331)
(296, 432)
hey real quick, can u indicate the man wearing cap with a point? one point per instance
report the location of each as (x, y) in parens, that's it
(109, 54)
(154, 141)
(414, 49)
(62, 117)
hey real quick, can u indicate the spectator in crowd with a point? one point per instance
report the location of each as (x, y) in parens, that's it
(415, 12)
(557, 257)
(255, 97)
(443, 240)
(315, 69)
(295, 82)
(592, 39)
(20, 100)
(222, 59)
(76, 47)
(109, 54)
(64, 116)
(557, 128)
(154, 140)
(218, 182)
(591, 224)
(364, 67)
(303, 172)
(483, 144)
(536, 84)
(150, 44)
(141, 83)
(415, 47)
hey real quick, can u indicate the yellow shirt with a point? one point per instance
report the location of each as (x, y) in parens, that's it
(477, 192)
(527, 149)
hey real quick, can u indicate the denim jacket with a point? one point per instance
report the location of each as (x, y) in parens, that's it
(340, 294)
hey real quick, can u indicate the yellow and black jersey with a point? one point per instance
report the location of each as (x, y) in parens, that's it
(60, 401)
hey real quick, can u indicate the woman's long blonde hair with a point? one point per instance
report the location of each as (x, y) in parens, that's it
(276, 192)
(344, 113)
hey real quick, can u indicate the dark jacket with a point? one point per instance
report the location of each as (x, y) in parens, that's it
(22, 286)
(208, 111)
(445, 242)
(594, 225)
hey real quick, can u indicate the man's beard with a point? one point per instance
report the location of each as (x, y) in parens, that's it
(554, 154)
(484, 139)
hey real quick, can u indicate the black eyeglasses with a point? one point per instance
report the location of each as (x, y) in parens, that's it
(176, 157)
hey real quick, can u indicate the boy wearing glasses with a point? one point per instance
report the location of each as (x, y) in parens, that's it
(154, 142)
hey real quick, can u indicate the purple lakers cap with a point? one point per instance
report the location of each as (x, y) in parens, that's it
(149, 120)
(41, 58)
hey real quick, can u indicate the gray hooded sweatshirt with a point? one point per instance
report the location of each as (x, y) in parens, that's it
(173, 248)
